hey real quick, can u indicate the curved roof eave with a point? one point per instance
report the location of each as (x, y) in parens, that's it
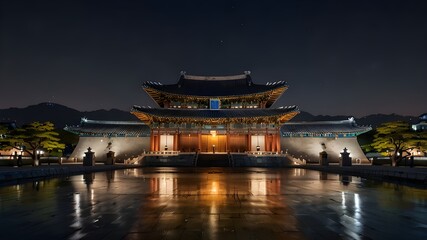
(191, 94)
(282, 115)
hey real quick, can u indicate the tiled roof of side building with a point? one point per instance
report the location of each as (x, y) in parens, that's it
(215, 86)
(110, 128)
(324, 127)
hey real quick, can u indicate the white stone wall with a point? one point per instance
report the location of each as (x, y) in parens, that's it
(124, 147)
(309, 148)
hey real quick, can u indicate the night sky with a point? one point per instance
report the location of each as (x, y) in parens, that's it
(350, 57)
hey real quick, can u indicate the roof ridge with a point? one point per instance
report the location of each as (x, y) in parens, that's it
(215, 78)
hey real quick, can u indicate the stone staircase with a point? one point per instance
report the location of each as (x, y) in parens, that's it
(213, 160)
(134, 160)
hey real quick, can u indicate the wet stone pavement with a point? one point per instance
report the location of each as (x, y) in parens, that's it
(168, 203)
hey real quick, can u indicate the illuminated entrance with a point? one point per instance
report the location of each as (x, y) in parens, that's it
(213, 143)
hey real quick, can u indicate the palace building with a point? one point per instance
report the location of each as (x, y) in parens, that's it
(200, 120)
(215, 114)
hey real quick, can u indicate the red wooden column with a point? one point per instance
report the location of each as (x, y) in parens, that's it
(278, 141)
(199, 144)
(249, 142)
(273, 143)
(227, 139)
(157, 143)
(158, 140)
(266, 143)
(175, 142)
(152, 141)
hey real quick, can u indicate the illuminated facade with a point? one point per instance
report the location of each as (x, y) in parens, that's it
(215, 114)
(126, 139)
(303, 141)
(213, 119)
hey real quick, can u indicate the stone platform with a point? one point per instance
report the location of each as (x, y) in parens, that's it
(418, 174)
(11, 174)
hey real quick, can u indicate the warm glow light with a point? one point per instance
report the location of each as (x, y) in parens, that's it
(213, 133)
(214, 187)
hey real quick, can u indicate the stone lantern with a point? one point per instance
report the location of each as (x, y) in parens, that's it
(111, 160)
(345, 159)
(323, 158)
(89, 159)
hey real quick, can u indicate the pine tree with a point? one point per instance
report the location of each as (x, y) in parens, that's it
(397, 139)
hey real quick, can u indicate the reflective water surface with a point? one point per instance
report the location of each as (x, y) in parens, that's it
(167, 203)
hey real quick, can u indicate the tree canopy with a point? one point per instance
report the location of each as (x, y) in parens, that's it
(32, 137)
(3, 134)
(397, 139)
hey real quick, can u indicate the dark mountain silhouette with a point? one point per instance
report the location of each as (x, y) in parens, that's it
(61, 116)
(305, 116)
(376, 119)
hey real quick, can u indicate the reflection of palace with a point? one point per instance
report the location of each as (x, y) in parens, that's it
(257, 184)
(205, 119)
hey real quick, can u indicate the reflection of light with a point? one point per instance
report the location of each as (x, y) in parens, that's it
(258, 184)
(356, 201)
(212, 222)
(92, 194)
(214, 187)
(165, 186)
(343, 199)
(259, 187)
(18, 192)
(77, 210)
(352, 218)
(357, 207)
(299, 172)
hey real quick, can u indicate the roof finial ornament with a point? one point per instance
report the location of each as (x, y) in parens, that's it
(183, 73)
(247, 72)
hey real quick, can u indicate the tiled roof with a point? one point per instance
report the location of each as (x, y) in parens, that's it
(323, 127)
(110, 128)
(204, 86)
(145, 113)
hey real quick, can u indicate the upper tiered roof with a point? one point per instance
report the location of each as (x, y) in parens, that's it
(215, 87)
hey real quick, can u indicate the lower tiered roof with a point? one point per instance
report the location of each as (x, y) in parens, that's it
(206, 116)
